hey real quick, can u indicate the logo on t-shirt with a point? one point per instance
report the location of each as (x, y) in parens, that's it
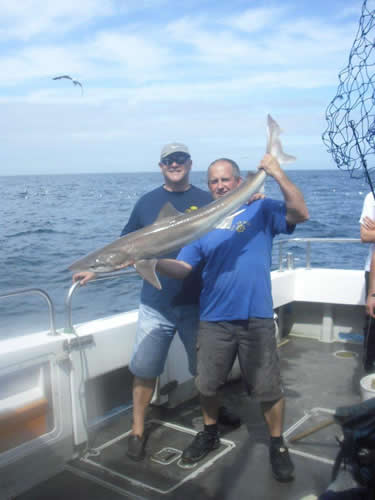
(191, 209)
(240, 226)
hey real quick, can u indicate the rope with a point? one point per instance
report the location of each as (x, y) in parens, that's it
(350, 133)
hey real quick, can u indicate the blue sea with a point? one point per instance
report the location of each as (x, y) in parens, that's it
(50, 221)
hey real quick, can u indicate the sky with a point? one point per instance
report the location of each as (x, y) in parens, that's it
(201, 72)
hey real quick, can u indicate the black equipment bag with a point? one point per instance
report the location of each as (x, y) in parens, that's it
(357, 448)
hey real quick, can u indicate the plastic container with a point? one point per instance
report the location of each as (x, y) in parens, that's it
(368, 387)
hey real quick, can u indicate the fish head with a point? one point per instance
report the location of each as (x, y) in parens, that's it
(102, 262)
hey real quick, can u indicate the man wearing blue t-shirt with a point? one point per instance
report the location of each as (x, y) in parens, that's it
(236, 310)
(175, 307)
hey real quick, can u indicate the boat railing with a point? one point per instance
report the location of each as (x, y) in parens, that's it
(282, 244)
(68, 328)
(46, 297)
(308, 241)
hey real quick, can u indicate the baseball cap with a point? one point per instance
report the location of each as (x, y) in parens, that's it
(173, 147)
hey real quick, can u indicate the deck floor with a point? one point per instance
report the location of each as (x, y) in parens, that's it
(316, 381)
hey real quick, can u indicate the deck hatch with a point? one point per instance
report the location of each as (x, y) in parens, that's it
(159, 471)
(345, 354)
(166, 456)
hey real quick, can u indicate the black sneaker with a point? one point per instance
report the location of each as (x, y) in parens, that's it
(227, 417)
(136, 447)
(281, 463)
(203, 443)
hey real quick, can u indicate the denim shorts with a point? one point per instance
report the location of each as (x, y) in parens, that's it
(155, 333)
(254, 342)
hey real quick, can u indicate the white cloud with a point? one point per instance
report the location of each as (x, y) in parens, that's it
(165, 94)
(188, 49)
(302, 41)
(149, 74)
(136, 57)
(40, 64)
(256, 19)
(355, 10)
(23, 20)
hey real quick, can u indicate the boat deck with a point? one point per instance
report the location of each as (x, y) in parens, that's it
(316, 381)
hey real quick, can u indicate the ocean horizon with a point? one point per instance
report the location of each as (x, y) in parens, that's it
(51, 220)
(155, 169)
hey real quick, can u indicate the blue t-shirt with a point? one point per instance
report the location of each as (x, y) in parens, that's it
(236, 263)
(145, 212)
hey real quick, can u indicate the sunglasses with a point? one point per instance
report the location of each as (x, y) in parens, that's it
(179, 158)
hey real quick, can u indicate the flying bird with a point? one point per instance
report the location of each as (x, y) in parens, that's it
(75, 82)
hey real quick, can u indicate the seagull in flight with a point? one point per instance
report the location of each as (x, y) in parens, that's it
(75, 82)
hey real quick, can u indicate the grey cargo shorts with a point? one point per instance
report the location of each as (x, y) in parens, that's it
(254, 342)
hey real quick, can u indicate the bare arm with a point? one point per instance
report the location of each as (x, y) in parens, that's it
(370, 304)
(172, 268)
(368, 230)
(83, 277)
(295, 204)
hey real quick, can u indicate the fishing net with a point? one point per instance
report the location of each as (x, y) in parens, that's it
(350, 134)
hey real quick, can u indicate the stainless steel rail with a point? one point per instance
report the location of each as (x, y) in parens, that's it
(68, 299)
(282, 243)
(308, 242)
(37, 291)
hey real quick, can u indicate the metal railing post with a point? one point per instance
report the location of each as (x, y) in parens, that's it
(281, 245)
(69, 328)
(68, 308)
(290, 260)
(308, 255)
(42, 293)
(308, 242)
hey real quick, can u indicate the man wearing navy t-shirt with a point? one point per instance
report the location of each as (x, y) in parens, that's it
(236, 310)
(175, 306)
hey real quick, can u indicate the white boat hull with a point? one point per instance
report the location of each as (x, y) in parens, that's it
(54, 371)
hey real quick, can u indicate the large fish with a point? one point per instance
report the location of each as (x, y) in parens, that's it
(173, 230)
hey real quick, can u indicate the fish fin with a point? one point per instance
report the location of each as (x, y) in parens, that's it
(146, 268)
(167, 210)
(227, 222)
(274, 146)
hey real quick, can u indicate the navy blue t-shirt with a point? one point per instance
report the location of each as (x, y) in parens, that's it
(236, 263)
(145, 212)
